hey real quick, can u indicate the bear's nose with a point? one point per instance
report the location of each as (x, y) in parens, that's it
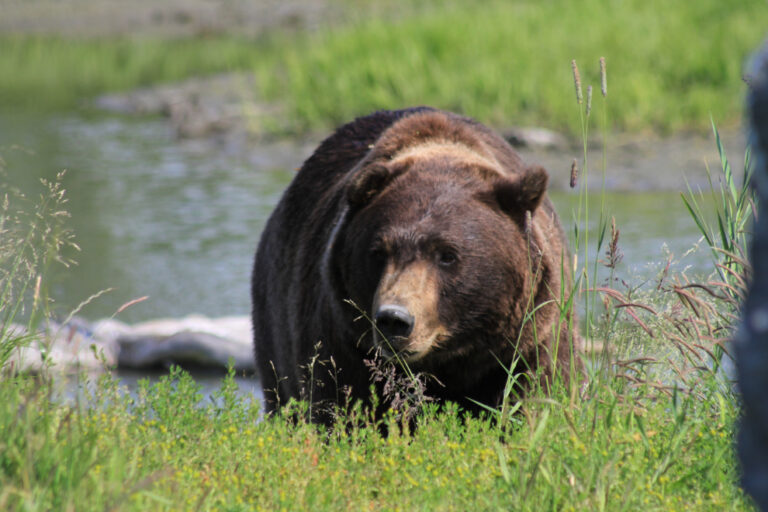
(394, 322)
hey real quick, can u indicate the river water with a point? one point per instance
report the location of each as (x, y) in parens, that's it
(179, 221)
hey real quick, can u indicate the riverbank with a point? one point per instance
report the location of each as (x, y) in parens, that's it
(507, 64)
(219, 112)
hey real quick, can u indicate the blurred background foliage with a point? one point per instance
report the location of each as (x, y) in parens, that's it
(670, 64)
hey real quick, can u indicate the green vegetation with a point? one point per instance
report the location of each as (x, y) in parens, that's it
(504, 62)
(619, 448)
(56, 73)
(728, 235)
(734, 209)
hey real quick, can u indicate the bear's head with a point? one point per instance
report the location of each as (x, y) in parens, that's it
(441, 249)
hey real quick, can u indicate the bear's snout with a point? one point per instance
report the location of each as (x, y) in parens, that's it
(405, 310)
(395, 324)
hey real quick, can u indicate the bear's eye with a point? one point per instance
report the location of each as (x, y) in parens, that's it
(446, 257)
(378, 255)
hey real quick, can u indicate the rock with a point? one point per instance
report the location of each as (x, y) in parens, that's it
(185, 349)
(223, 106)
(535, 138)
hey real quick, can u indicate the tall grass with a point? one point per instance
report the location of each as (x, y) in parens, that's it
(502, 62)
(33, 236)
(727, 234)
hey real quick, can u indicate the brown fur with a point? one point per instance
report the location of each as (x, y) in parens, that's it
(428, 213)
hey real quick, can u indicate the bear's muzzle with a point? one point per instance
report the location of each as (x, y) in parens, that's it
(405, 311)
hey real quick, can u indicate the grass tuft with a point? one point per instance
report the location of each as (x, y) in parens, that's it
(33, 237)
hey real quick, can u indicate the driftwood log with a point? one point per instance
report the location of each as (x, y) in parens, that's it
(194, 342)
(751, 340)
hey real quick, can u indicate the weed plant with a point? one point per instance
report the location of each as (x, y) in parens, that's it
(728, 234)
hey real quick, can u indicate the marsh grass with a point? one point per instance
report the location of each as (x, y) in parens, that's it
(726, 234)
(672, 330)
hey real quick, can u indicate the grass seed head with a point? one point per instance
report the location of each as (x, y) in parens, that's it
(613, 253)
(603, 78)
(577, 81)
(574, 173)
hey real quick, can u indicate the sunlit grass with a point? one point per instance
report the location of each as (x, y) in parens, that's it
(673, 65)
(622, 448)
(506, 62)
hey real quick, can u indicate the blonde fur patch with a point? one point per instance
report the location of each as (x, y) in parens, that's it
(436, 148)
(416, 288)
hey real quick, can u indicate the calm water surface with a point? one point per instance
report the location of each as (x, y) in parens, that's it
(174, 222)
(179, 222)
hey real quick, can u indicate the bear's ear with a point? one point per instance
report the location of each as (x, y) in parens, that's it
(524, 192)
(367, 184)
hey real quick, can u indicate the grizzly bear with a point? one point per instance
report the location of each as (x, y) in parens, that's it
(421, 235)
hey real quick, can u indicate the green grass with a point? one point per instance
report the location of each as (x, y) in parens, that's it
(619, 449)
(50, 73)
(505, 63)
